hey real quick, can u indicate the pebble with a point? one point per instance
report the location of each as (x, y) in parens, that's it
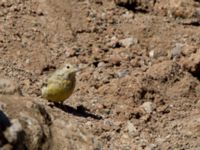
(123, 73)
(150, 147)
(128, 42)
(113, 42)
(131, 129)
(148, 107)
(128, 15)
(176, 51)
(152, 54)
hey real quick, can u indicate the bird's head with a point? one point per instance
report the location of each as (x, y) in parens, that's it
(70, 69)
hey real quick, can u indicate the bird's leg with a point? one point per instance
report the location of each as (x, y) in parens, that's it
(58, 104)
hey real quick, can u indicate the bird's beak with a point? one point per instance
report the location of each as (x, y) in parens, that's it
(76, 69)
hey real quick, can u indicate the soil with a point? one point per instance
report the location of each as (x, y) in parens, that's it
(140, 86)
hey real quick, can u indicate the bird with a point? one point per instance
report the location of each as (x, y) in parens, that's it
(61, 84)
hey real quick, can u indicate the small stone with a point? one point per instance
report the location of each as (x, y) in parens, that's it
(101, 64)
(113, 42)
(148, 107)
(2, 106)
(176, 51)
(18, 53)
(152, 54)
(123, 73)
(128, 15)
(7, 147)
(29, 104)
(107, 125)
(27, 61)
(150, 147)
(128, 42)
(131, 129)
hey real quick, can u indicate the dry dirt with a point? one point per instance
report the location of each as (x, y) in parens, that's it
(140, 88)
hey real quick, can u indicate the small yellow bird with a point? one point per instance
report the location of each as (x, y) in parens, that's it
(61, 84)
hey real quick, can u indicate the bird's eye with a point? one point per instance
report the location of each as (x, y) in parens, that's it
(67, 66)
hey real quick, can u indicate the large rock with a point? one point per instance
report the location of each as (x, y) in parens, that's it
(9, 87)
(27, 123)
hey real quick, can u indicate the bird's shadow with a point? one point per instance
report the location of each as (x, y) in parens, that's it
(80, 111)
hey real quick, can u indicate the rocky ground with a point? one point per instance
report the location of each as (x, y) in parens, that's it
(139, 88)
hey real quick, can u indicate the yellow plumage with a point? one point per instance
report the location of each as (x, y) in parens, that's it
(61, 84)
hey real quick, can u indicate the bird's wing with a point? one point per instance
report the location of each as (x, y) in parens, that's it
(55, 77)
